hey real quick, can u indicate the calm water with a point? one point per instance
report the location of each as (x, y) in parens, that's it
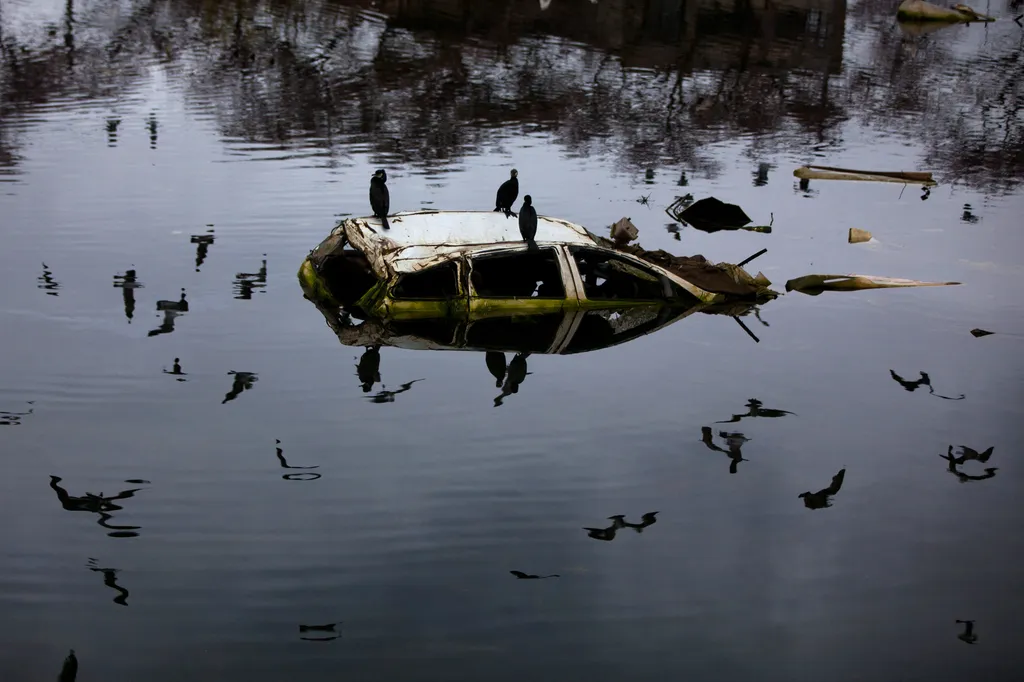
(127, 128)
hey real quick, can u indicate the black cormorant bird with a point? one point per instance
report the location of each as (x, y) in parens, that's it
(968, 634)
(380, 199)
(528, 222)
(507, 194)
(69, 671)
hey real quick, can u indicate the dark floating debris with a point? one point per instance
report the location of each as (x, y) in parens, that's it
(923, 380)
(822, 498)
(110, 580)
(47, 282)
(712, 215)
(977, 333)
(964, 455)
(243, 381)
(619, 522)
(968, 215)
(246, 282)
(967, 635)
(528, 576)
(624, 231)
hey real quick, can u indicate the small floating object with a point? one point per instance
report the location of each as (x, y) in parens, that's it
(858, 236)
(977, 333)
(624, 231)
(831, 173)
(815, 284)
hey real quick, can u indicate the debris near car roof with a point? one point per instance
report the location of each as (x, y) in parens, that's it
(815, 284)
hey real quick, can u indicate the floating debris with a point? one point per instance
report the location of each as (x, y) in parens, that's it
(977, 333)
(815, 284)
(919, 10)
(858, 236)
(624, 231)
(831, 173)
(712, 215)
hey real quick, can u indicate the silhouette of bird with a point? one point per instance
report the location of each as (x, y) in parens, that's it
(243, 381)
(380, 198)
(755, 410)
(368, 369)
(528, 222)
(646, 520)
(69, 671)
(968, 634)
(181, 305)
(507, 193)
(970, 454)
(607, 534)
(496, 366)
(529, 576)
(820, 499)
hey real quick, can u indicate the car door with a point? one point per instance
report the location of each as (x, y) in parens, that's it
(609, 279)
(519, 281)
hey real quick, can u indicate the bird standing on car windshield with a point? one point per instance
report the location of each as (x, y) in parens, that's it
(380, 200)
(528, 222)
(507, 194)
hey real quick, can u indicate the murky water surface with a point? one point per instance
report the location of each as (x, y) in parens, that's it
(157, 527)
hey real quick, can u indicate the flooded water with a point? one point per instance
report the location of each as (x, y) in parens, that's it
(158, 528)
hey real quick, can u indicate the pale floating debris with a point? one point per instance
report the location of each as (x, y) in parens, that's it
(815, 284)
(919, 10)
(830, 173)
(858, 236)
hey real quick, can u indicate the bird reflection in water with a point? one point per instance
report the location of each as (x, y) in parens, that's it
(328, 628)
(754, 409)
(246, 282)
(619, 522)
(923, 380)
(385, 396)
(151, 126)
(243, 381)
(516, 375)
(734, 442)
(496, 365)
(306, 476)
(69, 669)
(171, 309)
(98, 504)
(673, 229)
(110, 580)
(176, 370)
(967, 635)
(822, 498)
(529, 576)
(368, 368)
(964, 455)
(14, 418)
(112, 124)
(202, 242)
(761, 174)
(128, 283)
(47, 282)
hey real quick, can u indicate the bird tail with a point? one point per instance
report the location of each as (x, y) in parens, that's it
(384, 223)
(531, 245)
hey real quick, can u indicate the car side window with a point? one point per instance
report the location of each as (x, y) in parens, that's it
(518, 274)
(607, 276)
(430, 284)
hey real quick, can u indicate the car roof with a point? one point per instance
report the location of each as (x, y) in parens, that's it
(421, 238)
